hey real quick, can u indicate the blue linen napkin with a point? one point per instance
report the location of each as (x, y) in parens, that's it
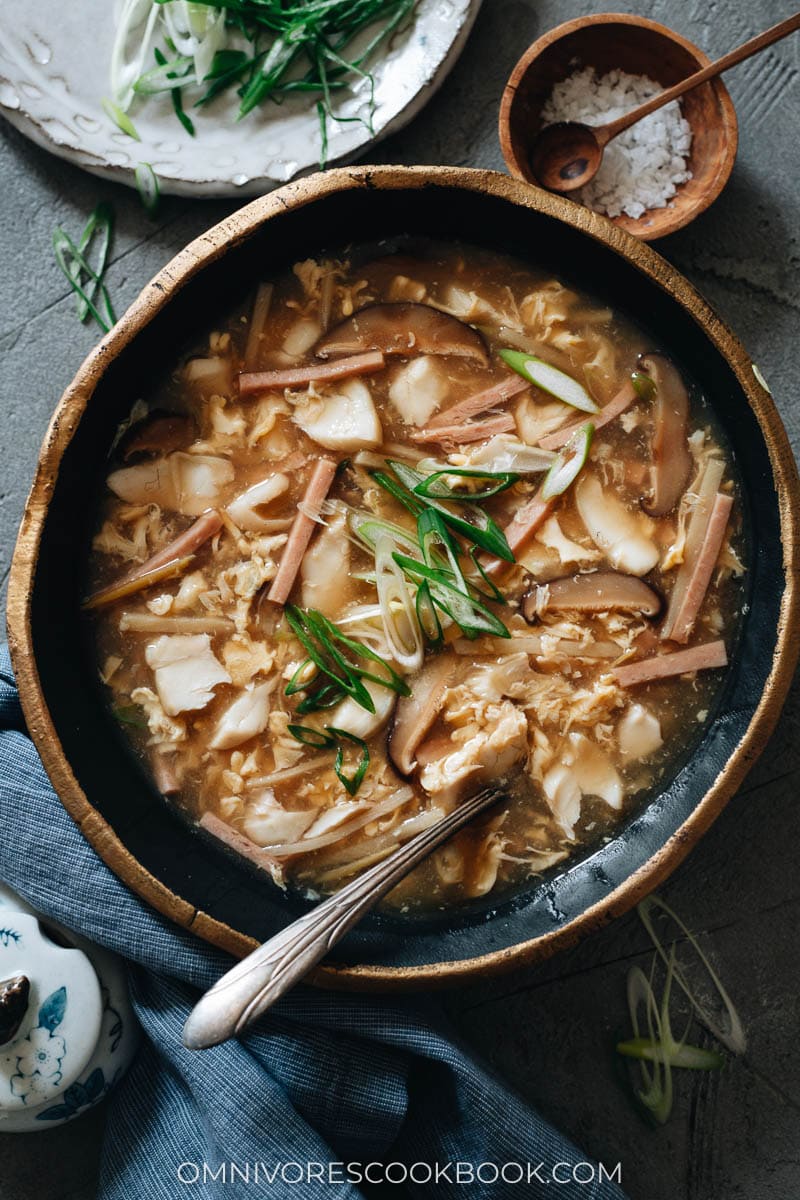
(323, 1080)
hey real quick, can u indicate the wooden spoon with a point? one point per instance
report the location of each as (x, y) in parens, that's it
(568, 155)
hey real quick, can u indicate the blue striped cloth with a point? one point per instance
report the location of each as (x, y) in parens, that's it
(323, 1083)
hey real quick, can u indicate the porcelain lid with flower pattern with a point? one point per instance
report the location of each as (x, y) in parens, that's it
(61, 1023)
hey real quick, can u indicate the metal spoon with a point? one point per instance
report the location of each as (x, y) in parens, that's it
(265, 975)
(568, 155)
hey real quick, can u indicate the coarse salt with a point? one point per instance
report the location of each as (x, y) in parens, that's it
(642, 167)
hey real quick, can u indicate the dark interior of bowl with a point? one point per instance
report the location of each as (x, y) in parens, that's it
(201, 872)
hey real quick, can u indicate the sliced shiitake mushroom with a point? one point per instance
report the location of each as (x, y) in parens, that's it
(415, 714)
(158, 433)
(593, 592)
(672, 460)
(403, 328)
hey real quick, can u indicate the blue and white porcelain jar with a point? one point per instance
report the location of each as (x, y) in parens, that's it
(67, 1032)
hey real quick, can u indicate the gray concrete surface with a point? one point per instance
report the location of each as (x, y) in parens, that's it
(550, 1029)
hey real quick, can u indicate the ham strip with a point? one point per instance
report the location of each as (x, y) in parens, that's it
(706, 492)
(624, 398)
(460, 435)
(178, 551)
(684, 618)
(662, 666)
(238, 842)
(481, 402)
(521, 529)
(341, 368)
(302, 529)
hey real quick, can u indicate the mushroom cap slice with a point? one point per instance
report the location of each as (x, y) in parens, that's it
(672, 459)
(415, 714)
(593, 592)
(404, 328)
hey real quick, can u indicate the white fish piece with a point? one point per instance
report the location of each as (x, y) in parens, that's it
(325, 570)
(568, 551)
(594, 771)
(418, 389)
(344, 420)
(267, 824)
(301, 337)
(209, 376)
(504, 452)
(613, 529)
(564, 797)
(243, 719)
(638, 733)
(186, 671)
(350, 716)
(185, 483)
(244, 510)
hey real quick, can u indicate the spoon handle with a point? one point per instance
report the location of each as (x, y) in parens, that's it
(255, 983)
(605, 133)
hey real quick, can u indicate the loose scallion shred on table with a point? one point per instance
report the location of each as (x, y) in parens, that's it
(264, 49)
(84, 266)
(148, 188)
(655, 1049)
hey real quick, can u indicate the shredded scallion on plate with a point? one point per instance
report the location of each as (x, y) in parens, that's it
(265, 50)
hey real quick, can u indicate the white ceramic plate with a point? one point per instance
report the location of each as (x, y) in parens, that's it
(54, 57)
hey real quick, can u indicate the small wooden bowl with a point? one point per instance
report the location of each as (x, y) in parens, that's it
(637, 46)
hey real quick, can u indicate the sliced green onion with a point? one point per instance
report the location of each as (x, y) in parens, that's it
(734, 1036)
(161, 78)
(350, 782)
(433, 487)
(474, 618)
(120, 119)
(148, 187)
(643, 385)
(84, 279)
(427, 616)
(371, 530)
(175, 92)
(481, 531)
(398, 610)
(549, 379)
(679, 1054)
(130, 714)
(311, 737)
(569, 463)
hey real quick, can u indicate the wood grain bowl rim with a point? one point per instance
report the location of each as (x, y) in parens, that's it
(682, 215)
(210, 247)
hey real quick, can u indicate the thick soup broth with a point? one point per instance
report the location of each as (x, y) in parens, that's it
(404, 524)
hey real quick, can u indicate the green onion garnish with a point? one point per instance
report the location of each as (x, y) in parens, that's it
(327, 647)
(569, 463)
(351, 782)
(120, 119)
(148, 187)
(549, 379)
(311, 737)
(643, 385)
(85, 279)
(434, 488)
(130, 714)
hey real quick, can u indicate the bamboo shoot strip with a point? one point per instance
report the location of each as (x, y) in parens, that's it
(481, 402)
(662, 666)
(460, 435)
(695, 536)
(624, 398)
(255, 333)
(301, 531)
(341, 368)
(171, 559)
(695, 593)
